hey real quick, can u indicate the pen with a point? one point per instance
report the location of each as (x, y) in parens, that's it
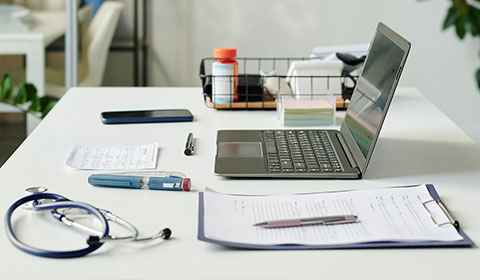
(189, 147)
(326, 220)
(173, 183)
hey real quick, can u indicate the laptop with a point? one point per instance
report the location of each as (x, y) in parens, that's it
(329, 153)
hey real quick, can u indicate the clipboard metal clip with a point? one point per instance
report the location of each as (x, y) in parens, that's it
(443, 207)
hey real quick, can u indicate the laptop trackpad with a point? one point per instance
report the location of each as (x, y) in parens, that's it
(240, 149)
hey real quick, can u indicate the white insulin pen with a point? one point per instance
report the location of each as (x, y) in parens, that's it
(173, 181)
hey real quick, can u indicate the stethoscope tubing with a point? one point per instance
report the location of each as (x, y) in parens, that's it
(60, 202)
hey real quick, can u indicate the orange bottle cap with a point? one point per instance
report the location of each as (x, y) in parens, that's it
(224, 52)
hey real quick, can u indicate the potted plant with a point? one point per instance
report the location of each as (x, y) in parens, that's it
(464, 15)
(26, 98)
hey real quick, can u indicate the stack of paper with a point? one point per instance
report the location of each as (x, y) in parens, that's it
(387, 217)
(307, 112)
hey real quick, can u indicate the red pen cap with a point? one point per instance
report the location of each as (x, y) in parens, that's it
(186, 184)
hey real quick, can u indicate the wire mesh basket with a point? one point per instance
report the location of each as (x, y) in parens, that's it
(261, 80)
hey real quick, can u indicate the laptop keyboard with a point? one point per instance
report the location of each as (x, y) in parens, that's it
(300, 151)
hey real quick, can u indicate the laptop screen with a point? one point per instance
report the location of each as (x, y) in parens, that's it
(366, 109)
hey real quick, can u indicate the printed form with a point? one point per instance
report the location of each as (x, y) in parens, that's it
(113, 158)
(386, 214)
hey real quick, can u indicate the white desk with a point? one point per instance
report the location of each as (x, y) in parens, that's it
(16, 38)
(19, 38)
(418, 144)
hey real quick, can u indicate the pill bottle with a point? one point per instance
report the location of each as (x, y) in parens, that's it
(224, 76)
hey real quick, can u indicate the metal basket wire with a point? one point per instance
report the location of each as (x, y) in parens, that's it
(252, 93)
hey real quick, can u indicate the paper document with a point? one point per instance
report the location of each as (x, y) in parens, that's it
(386, 214)
(111, 158)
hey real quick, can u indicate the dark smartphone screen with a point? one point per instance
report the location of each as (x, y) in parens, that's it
(167, 115)
(147, 114)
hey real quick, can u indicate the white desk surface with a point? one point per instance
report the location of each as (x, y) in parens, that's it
(418, 144)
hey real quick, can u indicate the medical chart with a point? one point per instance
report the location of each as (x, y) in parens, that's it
(384, 214)
(113, 158)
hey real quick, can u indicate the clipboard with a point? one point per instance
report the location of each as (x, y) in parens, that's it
(466, 242)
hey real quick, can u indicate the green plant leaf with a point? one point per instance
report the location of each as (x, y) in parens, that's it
(44, 101)
(46, 109)
(477, 76)
(31, 91)
(6, 92)
(35, 105)
(28, 92)
(46, 104)
(474, 18)
(21, 96)
(460, 26)
(450, 18)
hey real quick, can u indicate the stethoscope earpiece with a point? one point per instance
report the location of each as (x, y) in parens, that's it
(36, 189)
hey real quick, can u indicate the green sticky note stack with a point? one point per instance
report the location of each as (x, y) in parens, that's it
(307, 112)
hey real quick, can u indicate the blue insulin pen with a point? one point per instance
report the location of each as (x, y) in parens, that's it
(172, 181)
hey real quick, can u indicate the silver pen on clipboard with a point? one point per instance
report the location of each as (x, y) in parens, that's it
(325, 220)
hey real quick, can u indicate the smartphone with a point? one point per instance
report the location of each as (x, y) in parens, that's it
(147, 116)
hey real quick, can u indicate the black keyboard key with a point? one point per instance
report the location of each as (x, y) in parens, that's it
(271, 147)
(286, 164)
(325, 166)
(300, 165)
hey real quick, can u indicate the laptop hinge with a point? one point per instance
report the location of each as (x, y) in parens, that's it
(345, 148)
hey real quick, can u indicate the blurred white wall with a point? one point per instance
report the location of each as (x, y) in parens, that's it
(181, 32)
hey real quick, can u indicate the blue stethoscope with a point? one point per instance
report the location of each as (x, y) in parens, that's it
(63, 209)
